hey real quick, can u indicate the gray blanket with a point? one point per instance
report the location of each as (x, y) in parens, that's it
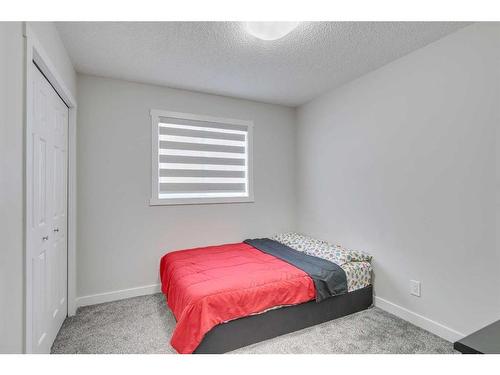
(329, 278)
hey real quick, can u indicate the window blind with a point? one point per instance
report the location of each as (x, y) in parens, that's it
(201, 159)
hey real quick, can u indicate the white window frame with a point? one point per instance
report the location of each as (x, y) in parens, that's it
(155, 118)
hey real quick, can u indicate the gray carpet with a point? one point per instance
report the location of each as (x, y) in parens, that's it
(145, 324)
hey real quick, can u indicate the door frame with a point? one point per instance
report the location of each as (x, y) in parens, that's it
(36, 53)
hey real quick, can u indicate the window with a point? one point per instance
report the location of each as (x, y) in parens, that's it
(200, 159)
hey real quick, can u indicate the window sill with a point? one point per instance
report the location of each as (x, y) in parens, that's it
(191, 201)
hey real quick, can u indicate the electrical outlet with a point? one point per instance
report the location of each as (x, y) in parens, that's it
(415, 288)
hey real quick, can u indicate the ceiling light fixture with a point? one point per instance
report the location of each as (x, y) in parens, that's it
(270, 30)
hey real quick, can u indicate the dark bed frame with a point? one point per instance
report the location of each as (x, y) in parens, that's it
(255, 328)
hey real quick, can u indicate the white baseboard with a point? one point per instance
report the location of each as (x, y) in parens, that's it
(116, 295)
(420, 321)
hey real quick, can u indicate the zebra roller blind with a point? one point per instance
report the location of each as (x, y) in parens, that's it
(202, 159)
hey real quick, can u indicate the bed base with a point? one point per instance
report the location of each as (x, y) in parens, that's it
(255, 328)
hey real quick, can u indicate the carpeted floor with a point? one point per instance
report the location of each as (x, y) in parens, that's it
(145, 324)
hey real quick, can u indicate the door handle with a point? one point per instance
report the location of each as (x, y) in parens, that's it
(56, 229)
(45, 238)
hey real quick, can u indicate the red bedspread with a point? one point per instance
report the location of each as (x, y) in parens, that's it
(211, 285)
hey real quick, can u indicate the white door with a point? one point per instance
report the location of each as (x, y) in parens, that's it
(47, 221)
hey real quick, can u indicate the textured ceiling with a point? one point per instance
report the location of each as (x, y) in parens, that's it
(221, 58)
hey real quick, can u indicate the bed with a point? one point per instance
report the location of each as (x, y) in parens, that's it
(229, 296)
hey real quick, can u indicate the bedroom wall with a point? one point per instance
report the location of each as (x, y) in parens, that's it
(120, 237)
(11, 187)
(401, 163)
(48, 36)
(12, 55)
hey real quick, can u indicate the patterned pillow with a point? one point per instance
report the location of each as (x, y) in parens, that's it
(322, 249)
(341, 255)
(286, 238)
(338, 254)
(300, 242)
(354, 255)
(331, 253)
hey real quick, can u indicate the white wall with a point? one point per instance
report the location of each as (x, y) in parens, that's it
(11, 187)
(120, 237)
(49, 38)
(12, 54)
(401, 163)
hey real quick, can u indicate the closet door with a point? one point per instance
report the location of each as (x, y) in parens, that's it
(47, 247)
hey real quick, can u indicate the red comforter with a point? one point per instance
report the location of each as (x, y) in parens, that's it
(211, 285)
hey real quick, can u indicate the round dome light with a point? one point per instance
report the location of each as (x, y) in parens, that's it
(270, 30)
